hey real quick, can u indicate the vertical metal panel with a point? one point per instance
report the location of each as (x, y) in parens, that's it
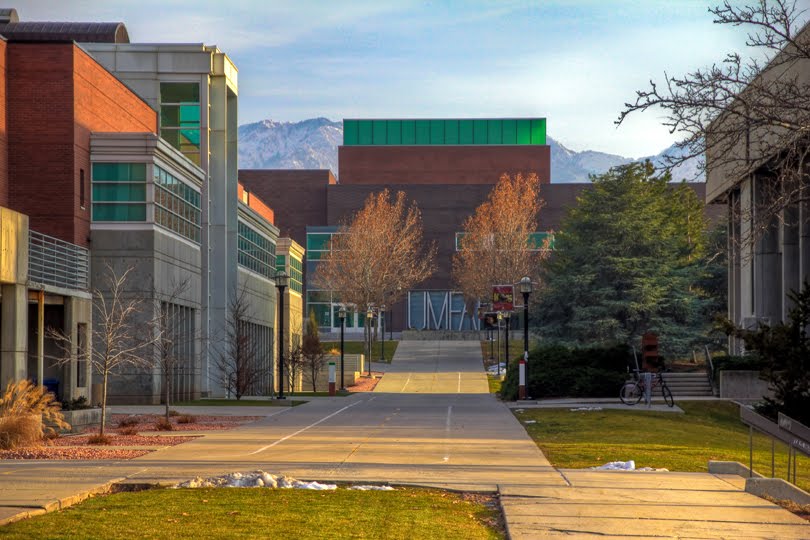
(437, 132)
(379, 135)
(539, 131)
(423, 132)
(480, 132)
(451, 132)
(365, 134)
(494, 132)
(509, 132)
(408, 132)
(465, 132)
(394, 132)
(524, 131)
(349, 132)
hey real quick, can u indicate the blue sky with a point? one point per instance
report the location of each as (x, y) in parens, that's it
(573, 62)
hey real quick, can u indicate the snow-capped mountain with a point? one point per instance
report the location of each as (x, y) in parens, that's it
(312, 144)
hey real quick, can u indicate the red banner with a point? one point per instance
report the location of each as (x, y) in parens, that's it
(503, 297)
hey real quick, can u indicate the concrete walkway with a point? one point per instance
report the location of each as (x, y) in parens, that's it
(431, 421)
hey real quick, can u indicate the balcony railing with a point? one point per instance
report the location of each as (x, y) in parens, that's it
(55, 262)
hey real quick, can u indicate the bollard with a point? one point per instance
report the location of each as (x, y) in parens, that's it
(522, 379)
(331, 378)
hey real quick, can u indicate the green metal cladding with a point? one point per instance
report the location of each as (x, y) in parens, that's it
(438, 132)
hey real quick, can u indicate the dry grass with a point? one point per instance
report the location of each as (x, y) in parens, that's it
(98, 439)
(186, 419)
(129, 421)
(172, 412)
(128, 430)
(163, 425)
(28, 414)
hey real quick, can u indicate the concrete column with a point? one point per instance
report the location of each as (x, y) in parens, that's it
(767, 264)
(40, 337)
(746, 277)
(804, 240)
(789, 246)
(14, 333)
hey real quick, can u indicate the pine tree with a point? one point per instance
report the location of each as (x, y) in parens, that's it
(627, 261)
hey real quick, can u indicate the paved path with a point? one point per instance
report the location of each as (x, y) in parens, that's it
(431, 421)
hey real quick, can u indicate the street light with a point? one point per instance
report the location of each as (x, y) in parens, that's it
(500, 318)
(506, 316)
(342, 317)
(369, 319)
(382, 333)
(281, 283)
(526, 289)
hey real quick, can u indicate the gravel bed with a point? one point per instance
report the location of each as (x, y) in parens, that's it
(364, 384)
(71, 452)
(124, 440)
(146, 422)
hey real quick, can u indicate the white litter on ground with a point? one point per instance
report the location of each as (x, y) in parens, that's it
(530, 421)
(626, 466)
(518, 410)
(493, 370)
(253, 479)
(586, 409)
(372, 488)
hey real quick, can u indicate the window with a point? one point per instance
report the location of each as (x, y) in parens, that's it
(81, 188)
(177, 205)
(256, 252)
(180, 117)
(119, 191)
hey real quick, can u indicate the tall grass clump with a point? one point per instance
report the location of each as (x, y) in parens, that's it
(28, 414)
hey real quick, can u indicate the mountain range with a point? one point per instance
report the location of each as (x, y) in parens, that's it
(313, 144)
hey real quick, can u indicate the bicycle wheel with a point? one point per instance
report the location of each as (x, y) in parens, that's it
(670, 401)
(631, 393)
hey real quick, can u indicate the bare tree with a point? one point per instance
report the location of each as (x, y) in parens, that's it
(378, 255)
(169, 323)
(122, 334)
(293, 366)
(495, 246)
(236, 364)
(747, 115)
(312, 351)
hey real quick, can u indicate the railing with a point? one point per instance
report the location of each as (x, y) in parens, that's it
(710, 370)
(55, 262)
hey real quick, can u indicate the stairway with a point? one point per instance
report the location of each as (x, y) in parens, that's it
(689, 384)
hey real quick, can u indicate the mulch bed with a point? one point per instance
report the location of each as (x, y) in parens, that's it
(365, 384)
(146, 422)
(123, 440)
(74, 452)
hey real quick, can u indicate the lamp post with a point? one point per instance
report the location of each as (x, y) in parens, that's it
(506, 316)
(281, 283)
(526, 289)
(382, 333)
(342, 317)
(500, 318)
(369, 319)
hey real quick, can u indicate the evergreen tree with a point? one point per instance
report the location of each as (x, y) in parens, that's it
(628, 260)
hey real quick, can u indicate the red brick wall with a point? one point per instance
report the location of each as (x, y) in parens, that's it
(440, 164)
(3, 129)
(57, 96)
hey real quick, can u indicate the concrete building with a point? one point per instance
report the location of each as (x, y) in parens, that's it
(769, 228)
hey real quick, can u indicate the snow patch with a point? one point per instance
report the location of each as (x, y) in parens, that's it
(626, 466)
(255, 479)
(493, 370)
(586, 409)
(530, 421)
(372, 488)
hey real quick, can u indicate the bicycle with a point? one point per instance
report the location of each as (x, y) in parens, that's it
(632, 391)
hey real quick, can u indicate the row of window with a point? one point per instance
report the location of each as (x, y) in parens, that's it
(509, 131)
(296, 273)
(177, 205)
(180, 117)
(256, 252)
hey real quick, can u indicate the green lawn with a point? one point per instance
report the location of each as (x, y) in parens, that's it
(243, 402)
(678, 442)
(358, 347)
(266, 513)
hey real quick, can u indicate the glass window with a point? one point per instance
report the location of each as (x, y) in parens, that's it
(177, 205)
(180, 117)
(118, 191)
(318, 241)
(256, 252)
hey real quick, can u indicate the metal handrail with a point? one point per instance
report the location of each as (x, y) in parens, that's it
(55, 262)
(710, 370)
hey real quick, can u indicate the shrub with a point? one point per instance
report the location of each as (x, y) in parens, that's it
(98, 439)
(129, 421)
(129, 430)
(172, 412)
(28, 413)
(557, 371)
(186, 419)
(163, 425)
(78, 404)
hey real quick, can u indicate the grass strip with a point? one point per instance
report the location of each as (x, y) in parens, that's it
(267, 513)
(710, 430)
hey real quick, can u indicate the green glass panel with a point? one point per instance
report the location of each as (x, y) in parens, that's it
(280, 262)
(480, 132)
(322, 312)
(423, 132)
(494, 132)
(539, 131)
(437, 132)
(180, 116)
(314, 255)
(394, 132)
(318, 241)
(408, 132)
(465, 132)
(119, 172)
(319, 297)
(509, 132)
(350, 133)
(119, 212)
(379, 132)
(179, 92)
(365, 133)
(451, 132)
(119, 192)
(524, 132)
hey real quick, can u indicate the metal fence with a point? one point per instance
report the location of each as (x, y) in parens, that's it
(55, 262)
